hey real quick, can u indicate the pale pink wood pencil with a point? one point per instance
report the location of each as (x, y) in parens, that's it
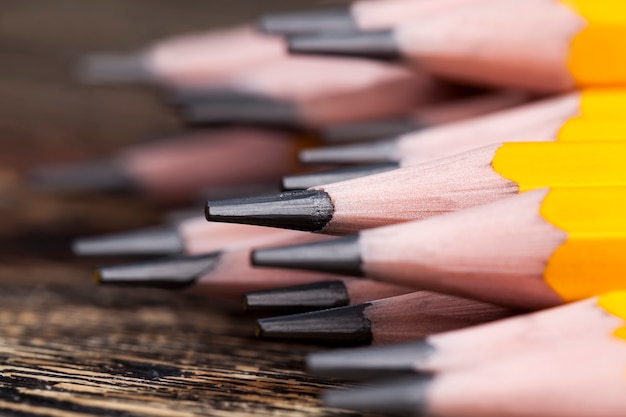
(384, 321)
(584, 320)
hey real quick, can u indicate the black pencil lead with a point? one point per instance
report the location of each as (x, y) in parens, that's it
(371, 362)
(154, 241)
(335, 19)
(403, 396)
(299, 298)
(345, 325)
(374, 44)
(340, 256)
(313, 179)
(358, 153)
(169, 273)
(308, 210)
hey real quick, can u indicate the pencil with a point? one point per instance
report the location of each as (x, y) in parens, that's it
(313, 179)
(310, 91)
(545, 46)
(199, 56)
(359, 15)
(191, 236)
(181, 168)
(583, 379)
(320, 295)
(588, 319)
(536, 250)
(446, 185)
(423, 117)
(390, 320)
(223, 274)
(589, 115)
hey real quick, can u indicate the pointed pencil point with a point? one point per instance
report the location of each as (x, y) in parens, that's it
(340, 256)
(371, 362)
(156, 241)
(345, 325)
(375, 44)
(113, 68)
(216, 107)
(299, 298)
(314, 179)
(358, 153)
(336, 19)
(308, 210)
(403, 396)
(166, 273)
(368, 131)
(93, 176)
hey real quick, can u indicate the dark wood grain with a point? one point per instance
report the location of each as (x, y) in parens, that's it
(67, 347)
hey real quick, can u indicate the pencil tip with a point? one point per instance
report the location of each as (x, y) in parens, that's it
(299, 298)
(402, 396)
(218, 107)
(94, 176)
(375, 44)
(339, 256)
(344, 325)
(371, 362)
(170, 273)
(304, 181)
(368, 131)
(358, 153)
(156, 241)
(113, 68)
(308, 210)
(336, 19)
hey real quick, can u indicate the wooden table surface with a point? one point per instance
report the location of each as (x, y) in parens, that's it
(67, 347)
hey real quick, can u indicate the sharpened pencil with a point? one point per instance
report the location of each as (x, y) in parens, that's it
(446, 185)
(535, 250)
(585, 378)
(541, 46)
(384, 321)
(223, 274)
(320, 295)
(590, 115)
(591, 318)
(177, 170)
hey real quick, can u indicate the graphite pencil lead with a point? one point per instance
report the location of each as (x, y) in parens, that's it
(210, 108)
(113, 68)
(336, 19)
(370, 362)
(308, 210)
(91, 176)
(404, 396)
(299, 298)
(166, 273)
(358, 153)
(347, 325)
(365, 131)
(313, 179)
(154, 241)
(340, 256)
(375, 44)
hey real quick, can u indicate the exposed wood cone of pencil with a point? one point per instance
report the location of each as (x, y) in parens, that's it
(595, 317)
(576, 376)
(587, 115)
(536, 250)
(446, 185)
(388, 320)
(543, 46)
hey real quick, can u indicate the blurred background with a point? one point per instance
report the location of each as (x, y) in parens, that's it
(47, 117)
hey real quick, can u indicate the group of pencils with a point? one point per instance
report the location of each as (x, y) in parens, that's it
(474, 168)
